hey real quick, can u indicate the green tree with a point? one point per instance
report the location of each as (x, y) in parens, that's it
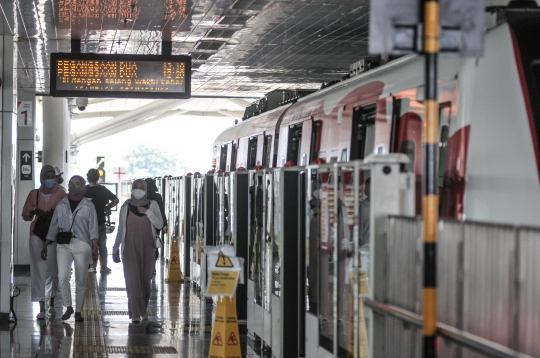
(146, 161)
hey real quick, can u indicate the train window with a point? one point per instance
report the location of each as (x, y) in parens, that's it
(223, 157)
(408, 148)
(295, 143)
(252, 153)
(344, 155)
(363, 131)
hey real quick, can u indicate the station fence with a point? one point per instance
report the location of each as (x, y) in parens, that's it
(488, 275)
(488, 280)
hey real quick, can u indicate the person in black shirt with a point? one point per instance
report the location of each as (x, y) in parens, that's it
(103, 200)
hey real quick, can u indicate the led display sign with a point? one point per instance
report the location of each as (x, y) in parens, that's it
(120, 76)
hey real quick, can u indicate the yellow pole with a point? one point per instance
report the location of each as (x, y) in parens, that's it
(431, 198)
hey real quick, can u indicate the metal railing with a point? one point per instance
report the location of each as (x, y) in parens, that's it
(488, 289)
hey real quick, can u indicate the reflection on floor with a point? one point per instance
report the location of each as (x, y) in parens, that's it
(179, 323)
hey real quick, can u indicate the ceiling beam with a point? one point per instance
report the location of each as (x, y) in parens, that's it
(108, 128)
(240, 102)
(86, 115)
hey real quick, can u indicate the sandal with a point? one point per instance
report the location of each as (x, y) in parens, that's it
(78, 317)
(68, 314)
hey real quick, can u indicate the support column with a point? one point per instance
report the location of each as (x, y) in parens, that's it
(56, 135)
(26, 144)
(8, 135)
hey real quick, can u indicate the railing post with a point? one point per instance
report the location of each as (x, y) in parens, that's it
(385, 200)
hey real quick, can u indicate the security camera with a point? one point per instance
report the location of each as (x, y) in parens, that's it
(82, 103)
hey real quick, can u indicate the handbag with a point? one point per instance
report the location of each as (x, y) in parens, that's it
(41, 228)
(64, 237)
(158, 241)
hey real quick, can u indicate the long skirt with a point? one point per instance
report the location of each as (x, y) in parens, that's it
(139, 262)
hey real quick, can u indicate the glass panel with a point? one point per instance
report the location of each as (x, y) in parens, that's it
(256, 200)
(231, 229)
(353, 238)
(222, 208)
(276, 262)
(326, 262)
(313, 209)
(268, 240)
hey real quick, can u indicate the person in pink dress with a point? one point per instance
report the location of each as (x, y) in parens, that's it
(139, 218)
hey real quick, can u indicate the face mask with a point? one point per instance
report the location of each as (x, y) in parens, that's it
(317, 194)
(73, 190)
(138, 193)
(48, 183)
(59, 180)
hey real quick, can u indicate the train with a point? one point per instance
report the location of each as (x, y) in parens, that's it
(489, 109)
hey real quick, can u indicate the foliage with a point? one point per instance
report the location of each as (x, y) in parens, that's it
(148, 161)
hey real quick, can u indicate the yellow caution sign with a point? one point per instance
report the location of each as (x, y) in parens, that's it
(223, 261)
(222, 282)
(363, 346)
(225, 337)
(174, 273)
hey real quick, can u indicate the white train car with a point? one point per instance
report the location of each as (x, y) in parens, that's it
(489, 161)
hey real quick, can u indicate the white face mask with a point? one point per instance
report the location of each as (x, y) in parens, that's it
(317, 194)
(138, 193)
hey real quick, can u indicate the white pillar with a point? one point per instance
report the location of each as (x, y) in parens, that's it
(8, 137)
(26, 130)
(56, 135)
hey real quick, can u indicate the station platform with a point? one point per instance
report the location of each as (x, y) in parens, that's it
(179, 322)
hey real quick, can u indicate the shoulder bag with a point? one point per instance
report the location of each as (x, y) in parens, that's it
(64, 237)
(41, 229)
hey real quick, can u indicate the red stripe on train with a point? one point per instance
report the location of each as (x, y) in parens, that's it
(528, 107)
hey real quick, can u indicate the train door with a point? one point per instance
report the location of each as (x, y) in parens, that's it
(363, 131)
(306, 143)
(230, 157)
(299, 141)
(242, 152)
(261, 143)
(267, 149)
(282, 141)
(224, 155)
(409, 142)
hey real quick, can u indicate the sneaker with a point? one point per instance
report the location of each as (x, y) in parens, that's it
(52, 311)
(136, 320)
(40, 315)
(145, 317)
(105, 269)
(92, 269)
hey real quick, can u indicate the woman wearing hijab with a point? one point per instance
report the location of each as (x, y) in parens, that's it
(75, 214)
(139, 218)
(43, 274)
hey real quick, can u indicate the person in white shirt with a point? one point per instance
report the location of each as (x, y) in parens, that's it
(77, 215)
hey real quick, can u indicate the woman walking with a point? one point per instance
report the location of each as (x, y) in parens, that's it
(43, 274)
(74, 226)
(139, 218)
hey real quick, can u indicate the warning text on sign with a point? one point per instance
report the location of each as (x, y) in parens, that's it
(222, 283)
